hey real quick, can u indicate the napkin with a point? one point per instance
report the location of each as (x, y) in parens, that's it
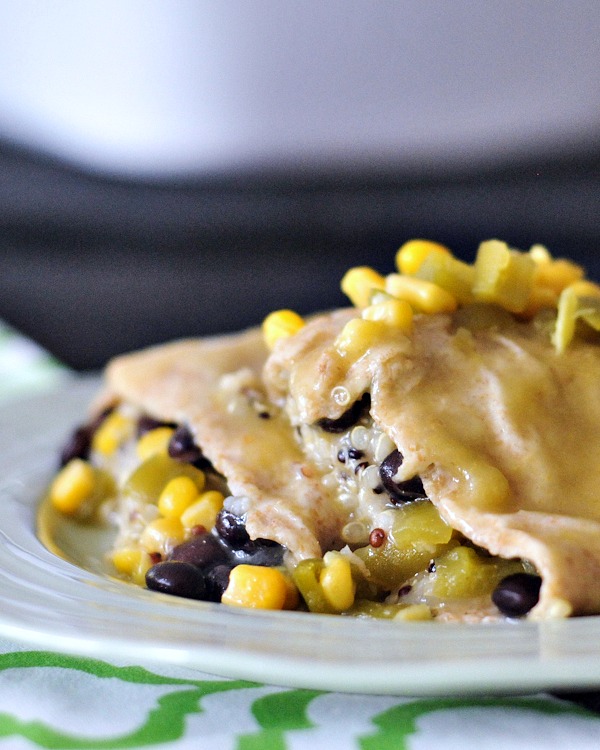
(58, 700)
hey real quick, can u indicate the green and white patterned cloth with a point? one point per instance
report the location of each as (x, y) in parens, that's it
(50, 700)
(25, 368)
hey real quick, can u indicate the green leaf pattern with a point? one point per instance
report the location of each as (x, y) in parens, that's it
(87, 703)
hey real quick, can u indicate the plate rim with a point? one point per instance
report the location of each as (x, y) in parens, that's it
(538, 656)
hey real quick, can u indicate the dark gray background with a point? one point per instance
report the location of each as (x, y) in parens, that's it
(92, 266)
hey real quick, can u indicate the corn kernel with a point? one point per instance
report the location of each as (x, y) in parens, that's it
(292, 595)
(414, 613)
(396, 313)
(281, 324)
(204, 511)
(162, 535)
(540, 254)
(177, 495)
(358, 284)
(127, 559)
(113, 431)
(358, 336)
(557, 274)
(540, 298)
(337, 582)
(412, 254)
(138, 574)
(585, 288)
(154, 441)
(424, 296)
(73, 486)
(257, 587)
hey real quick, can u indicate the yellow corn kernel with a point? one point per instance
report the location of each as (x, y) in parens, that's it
(161, 535)
(113, 431)
(412, 254)
(424, 296)
(358, 336)
(177, 496)
(396, 313)
(203, 511)
(358, 284)
(557, 274)
(337, 582)
(292, 595)
(257, 587)
(414, 613)
(144, 563)
(281, 324)
(73, 486)
(585, 288)
(153, 442)
(540, 298)
(540, 254)
(126, 559)
(503, 276)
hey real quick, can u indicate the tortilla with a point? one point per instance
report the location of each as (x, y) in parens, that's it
(503, 432)
(448, 416)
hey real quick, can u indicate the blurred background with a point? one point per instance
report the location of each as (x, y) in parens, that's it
(182, 168)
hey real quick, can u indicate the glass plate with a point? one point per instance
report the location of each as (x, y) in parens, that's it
(67, 603)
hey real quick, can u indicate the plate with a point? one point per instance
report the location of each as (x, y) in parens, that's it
(65, 602)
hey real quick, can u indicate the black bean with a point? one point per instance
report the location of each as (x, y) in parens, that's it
(177, 578)
(146, 424)
(232, 529)
(201, 550)
(182, 446)
(79, 443)
(100, 417)
(349, 418)
(516, 594)
(217, 580)
(411, 489)
(399, 492)
(389, 467)
(77, 446)
(260, 552)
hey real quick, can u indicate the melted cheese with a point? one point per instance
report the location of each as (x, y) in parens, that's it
(504, 432)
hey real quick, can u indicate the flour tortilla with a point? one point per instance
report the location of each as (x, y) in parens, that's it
(504, 433)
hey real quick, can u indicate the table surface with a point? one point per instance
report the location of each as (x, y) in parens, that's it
(57, 700)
